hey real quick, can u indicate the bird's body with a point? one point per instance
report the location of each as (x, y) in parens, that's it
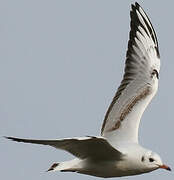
(126, 166)
(97, 157)
(117, 152)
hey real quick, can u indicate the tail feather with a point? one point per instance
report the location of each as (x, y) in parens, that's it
(53, 167)
(66, 166)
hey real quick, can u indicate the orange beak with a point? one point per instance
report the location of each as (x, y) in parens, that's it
(165, 167)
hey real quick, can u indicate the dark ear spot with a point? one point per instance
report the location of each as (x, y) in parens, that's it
(142, 159)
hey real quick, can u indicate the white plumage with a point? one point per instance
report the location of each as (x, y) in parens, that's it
(117, 152)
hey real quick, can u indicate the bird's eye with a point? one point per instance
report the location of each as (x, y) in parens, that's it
(151, 159)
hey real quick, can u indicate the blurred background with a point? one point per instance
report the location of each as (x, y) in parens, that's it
(61, 62)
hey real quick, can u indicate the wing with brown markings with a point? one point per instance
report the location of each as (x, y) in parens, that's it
(139, 84)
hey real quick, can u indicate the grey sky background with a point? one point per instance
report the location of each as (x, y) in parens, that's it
(61, 62)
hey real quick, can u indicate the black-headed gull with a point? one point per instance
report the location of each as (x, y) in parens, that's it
(117, 152)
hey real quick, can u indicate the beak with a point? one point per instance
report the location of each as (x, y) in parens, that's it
(165, 167)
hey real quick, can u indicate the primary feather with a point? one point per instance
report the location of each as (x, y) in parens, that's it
(95, 148)
(139, 84)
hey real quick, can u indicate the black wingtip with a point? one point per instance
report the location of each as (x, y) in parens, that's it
(135, 6)
(12, 138)
(7, 137)
(133, 9)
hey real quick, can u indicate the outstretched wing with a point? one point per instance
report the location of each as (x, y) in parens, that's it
(96, 148)
(139, 84)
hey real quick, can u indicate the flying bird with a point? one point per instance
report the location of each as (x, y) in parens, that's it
(117, 152)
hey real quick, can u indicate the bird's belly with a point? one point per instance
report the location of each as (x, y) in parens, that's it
(106, 170)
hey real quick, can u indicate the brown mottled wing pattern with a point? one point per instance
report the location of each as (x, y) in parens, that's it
(140, 80)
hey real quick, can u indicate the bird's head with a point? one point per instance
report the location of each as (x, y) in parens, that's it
(152, 161)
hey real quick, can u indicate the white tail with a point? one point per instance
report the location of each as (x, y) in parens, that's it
(72, 165)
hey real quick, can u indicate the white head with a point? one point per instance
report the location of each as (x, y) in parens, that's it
(151, 161)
